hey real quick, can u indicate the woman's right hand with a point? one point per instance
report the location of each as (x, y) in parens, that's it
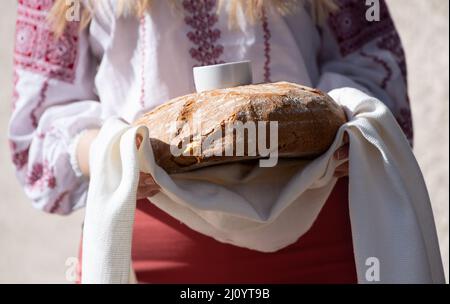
(147, 186)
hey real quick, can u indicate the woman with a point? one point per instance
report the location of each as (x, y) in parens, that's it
(126, 57)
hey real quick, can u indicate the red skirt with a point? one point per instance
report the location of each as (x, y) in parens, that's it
(167, 251)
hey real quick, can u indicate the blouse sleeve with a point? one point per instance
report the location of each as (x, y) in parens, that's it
(366, 55)
(53, 102)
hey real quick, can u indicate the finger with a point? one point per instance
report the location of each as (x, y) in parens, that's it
(342, 167)
(345, 139)
(345, 113)
(341, 170)
(143, 193)
(149, 188)
(340, 174)
(342, 152)
(140, 194)
(148, 183)
(153, 193)
(146, 179)
(138, 140)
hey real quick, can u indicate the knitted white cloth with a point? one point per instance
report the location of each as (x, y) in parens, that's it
(266, 209)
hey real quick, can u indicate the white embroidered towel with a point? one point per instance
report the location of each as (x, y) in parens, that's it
(266, 209)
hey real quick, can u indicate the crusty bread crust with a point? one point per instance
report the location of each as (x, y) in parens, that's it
(308, 120)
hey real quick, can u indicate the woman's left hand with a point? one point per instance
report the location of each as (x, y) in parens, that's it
(340, 154)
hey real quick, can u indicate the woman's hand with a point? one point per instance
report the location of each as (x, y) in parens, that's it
(83, 147)
(340, 154)
(147, 186)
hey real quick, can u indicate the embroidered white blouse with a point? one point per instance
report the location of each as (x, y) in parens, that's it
(126, 66)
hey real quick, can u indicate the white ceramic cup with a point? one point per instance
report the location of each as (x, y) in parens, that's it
(225, 75)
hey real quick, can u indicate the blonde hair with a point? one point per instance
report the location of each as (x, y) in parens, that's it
(252, 9)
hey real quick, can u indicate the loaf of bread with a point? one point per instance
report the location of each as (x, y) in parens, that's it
(307, 122)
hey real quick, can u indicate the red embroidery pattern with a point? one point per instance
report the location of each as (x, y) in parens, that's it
(351, 28)
(404, 119)
(40, 176)
(393, 44)
(204, 36)
(57, 203)
(42, 97)
(19, 158)
(40, 5)
(381, 62)
(353, 31)
(37, 49)
(265, 26)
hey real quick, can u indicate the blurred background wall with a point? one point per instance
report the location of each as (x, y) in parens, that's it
(34, 246)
